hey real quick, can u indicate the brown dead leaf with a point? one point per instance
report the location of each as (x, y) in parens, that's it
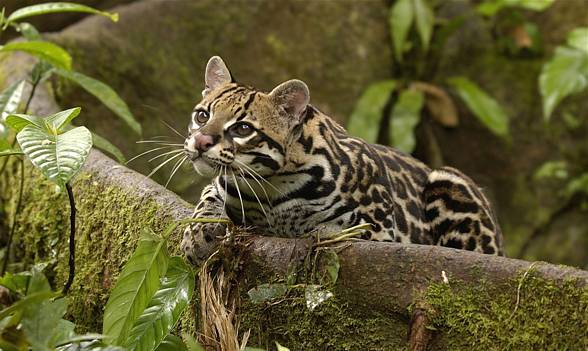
(439, 104)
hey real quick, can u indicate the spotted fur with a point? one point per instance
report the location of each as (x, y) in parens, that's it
(299, 172)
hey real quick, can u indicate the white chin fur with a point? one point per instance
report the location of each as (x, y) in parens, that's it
(203, 168)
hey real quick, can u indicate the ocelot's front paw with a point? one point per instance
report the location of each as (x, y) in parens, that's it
(201, 239)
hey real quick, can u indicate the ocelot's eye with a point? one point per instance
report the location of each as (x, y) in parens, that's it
(241, 130)
(201, 117)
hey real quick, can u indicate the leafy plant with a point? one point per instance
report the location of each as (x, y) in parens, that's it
(36, 321)
(149, 297)
(58, 153)
(56, 60)
(400, 104)
(567, 71)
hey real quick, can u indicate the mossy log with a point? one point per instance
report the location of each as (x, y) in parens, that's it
(486, 301)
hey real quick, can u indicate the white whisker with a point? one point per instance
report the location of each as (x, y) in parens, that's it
(148, 152)
(257, 198)
(240, 198)
(163, 164)
(269, 202)
(173, 129)
(158, 142)
(261, 177)
(164, 154)
(175, 169)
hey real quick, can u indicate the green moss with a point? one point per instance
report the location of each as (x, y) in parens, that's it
(332, 326)
(548, 316)
(109, 223)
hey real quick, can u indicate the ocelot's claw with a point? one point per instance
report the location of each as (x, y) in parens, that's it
(201, 239)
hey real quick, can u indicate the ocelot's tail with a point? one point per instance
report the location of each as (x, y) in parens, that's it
(459, 214)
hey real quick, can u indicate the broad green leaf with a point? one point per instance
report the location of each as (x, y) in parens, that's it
(578, 39)
(63, 331)
(165, 308)
(491, 7)
(19, 121)
(406, 114)
(365, 119)
(172, 343)
(425, 20)
(136, 285)
(565, 74)
(29, 300)
(191, 343)
(106, 95)
(10, 99)
(484, 107)
(56, 7)
(105, 145)
(44, 50)
(57, 121)
(267, 292)
(38, 281)
(400, 21)
(17, 283)
(59, 157)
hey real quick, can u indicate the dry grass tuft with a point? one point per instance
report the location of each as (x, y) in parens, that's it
(220, 330)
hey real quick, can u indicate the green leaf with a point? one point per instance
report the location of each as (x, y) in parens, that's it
(400, 21)
(57, 121)
(165, 308)
(565, 74)
(44, 50)
(136, 285)
(17, 283)
(63, 332)
(330, 261)
(10, 99)
(365, 119)
(484, 107)
(425, 20)
(552, 169)
(172, 343)
(56, 7)
(267, 292)
(491, 7)
(578, 39)
(28, 31)
(191, 343)
(281, 348)
(59, 157)
(29, 300)
(106, 95)
(19, 121)
(578, 184)
(105, 145)
(405, 117)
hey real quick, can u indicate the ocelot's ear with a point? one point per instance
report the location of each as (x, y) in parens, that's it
(292, 95)
(217, 74)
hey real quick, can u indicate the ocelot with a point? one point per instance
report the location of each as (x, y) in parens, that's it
(282, 167)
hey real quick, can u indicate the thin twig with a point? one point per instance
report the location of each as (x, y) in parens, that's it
(72, 237)
(31, 95)
(16, 212)
(519, 289)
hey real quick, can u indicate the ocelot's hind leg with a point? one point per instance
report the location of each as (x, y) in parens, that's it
(459, 214)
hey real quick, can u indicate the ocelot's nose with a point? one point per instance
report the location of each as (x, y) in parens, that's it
(203, 142)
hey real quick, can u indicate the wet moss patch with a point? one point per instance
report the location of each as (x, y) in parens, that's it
(540, 315)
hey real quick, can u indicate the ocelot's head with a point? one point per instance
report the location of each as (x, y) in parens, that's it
(238, 128)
